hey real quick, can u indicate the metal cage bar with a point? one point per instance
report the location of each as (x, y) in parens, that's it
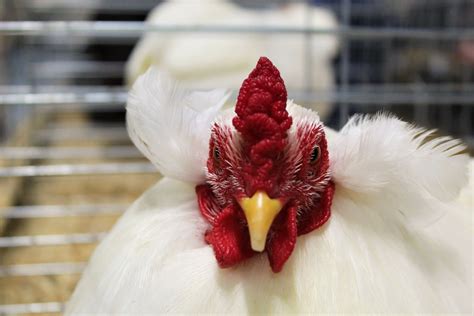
(135, 29)
(45, 211)
(50, 240)
(77, 169)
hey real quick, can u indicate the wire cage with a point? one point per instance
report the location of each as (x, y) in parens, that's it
(67, 168)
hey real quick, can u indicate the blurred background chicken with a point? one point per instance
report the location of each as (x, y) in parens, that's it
(210, 60)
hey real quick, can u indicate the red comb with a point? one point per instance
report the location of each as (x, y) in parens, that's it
(262, 119)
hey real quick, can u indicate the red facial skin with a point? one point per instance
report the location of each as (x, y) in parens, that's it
(261, 155)
(303, 183)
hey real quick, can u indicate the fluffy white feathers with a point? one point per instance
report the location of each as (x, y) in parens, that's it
(171, 126)
(385, 158)
(155, 261)
(466, 196)
(373, 152)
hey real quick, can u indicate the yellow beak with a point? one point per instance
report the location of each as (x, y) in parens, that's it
(260, 211)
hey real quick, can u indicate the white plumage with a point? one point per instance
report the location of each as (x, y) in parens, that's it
(466, 196)
(221, 60)
(394, 242)
(180, 118)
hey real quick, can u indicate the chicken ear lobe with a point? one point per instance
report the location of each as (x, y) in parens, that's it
(283, 239)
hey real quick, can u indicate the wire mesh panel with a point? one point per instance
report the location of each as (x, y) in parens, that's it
(67, 168)
(421, 71)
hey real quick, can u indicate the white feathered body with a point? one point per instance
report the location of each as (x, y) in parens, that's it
(394, 243)
(221, 60)
(466, 197)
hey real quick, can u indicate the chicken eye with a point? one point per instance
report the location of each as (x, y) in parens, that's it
(216, 153)
(315, 154)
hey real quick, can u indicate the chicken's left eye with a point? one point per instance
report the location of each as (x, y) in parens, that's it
(315, 154)
(216, 153)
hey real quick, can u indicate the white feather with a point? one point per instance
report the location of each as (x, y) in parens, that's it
(171, 126)
(466, 197)
(383, 157)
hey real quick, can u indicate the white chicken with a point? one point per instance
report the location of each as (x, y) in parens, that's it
(209, 60)
(214, 234)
